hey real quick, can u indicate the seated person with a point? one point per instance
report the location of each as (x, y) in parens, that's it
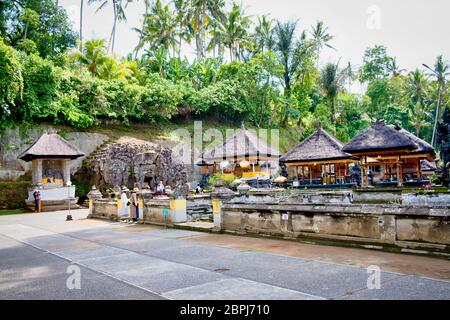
(160, 189)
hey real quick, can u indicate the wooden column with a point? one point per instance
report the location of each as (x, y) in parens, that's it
(419, 170)
(399, 173)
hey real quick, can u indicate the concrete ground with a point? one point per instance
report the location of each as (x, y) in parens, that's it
(41, 256)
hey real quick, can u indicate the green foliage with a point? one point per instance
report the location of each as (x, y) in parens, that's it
(11, 81)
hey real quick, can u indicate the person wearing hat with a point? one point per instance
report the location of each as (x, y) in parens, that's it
(125, 211)
(134, 213)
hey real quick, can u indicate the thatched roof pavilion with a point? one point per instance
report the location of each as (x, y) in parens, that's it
(50, 157)
(380, 137)
(393, 149)
(319, 159)
(243, 145)
(50, 145)
(320, 146)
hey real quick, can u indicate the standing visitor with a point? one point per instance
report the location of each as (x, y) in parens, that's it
(125, 211)
(37, 201)
(135, 205)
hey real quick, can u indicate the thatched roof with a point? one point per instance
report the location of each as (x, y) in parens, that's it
(244, 143)
(382, 137)
(317, 147)
(50, 145)
(422, 146)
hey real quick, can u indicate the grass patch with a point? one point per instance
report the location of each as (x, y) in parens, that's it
(12, 211)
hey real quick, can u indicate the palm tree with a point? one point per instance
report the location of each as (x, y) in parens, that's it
(141, 34)
(393, 67)
(201, 13)
(81, 24)
(182, 8)
(118, 15)
(441, 71)
(93, 55)
(321, 37)
(264, 33)
(285, 45)
(161, 28)
(416, 90)
(235, 31)
(331, 81)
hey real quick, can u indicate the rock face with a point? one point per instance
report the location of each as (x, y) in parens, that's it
(128, 161)
(14, 140)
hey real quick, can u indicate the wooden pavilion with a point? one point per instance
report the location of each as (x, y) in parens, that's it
(319, 160)
(50, 157)
(245, 154)
(389, 155)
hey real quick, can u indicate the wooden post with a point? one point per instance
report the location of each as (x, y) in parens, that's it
(419, 170)
(399, 173)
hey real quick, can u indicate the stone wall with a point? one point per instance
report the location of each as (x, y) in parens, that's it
(425, 226)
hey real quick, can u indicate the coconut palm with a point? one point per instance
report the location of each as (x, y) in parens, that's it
(182, 8)
(118, 15)
(264, 33)
(393, 67)
(235, 31)
(441, 71)
(331, 82)
(285, 46)
(141, 34)
(201, 13)
(93, 55)
(320, 34)
(161, 28)
(416, 92)
(81, 24)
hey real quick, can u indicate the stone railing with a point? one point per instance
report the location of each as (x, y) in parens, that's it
(362, 224)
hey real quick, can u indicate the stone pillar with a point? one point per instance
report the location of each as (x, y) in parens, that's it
(178, 210)
(36, 169)
(92, 196)
(66, 170)
(220, 195)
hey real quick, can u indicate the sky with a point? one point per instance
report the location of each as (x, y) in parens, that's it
(414, 31)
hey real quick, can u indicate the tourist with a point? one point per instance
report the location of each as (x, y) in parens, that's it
(199, 189)
(134, 205)
(124, 212)
(37, 201)
(160, 189)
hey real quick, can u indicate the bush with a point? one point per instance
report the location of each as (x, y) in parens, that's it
(13, 194)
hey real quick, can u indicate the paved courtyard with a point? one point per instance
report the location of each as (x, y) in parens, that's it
(120, 261)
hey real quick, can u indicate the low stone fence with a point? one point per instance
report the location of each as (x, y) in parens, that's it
(404, 226)
(103, 209)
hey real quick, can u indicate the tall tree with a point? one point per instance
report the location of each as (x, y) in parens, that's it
(285, 46)
(375, 64)
(320, 34)
(331, 82)
(235, 31)
(81, 24)
(161, 28)
(441, 71)
(119, 7)
(264, 34)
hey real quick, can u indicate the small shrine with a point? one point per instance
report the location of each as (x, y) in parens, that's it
(50, 157)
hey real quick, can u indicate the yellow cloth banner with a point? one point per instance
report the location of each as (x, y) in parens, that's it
(216, 206)
(177, 204)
